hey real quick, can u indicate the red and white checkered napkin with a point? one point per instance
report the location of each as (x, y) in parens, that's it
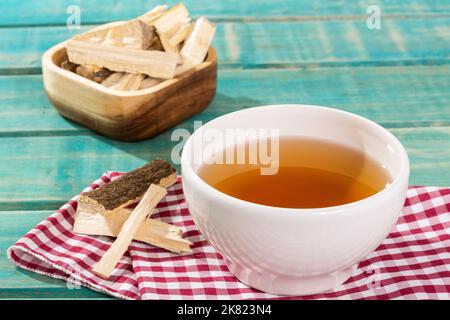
(412, 263)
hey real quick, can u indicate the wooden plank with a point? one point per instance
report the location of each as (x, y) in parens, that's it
(19, 283)
(56, 168)
(288, 43)
(392, 96)
(54, 12)
(52, 293)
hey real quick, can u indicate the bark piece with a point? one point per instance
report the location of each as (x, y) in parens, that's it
(130, 187)
(69, 66)
(92, 72)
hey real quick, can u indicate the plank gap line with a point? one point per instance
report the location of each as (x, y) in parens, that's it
(250, 19)
(88, 133)
(283, 65)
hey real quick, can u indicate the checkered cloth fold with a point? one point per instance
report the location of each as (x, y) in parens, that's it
(412, 263)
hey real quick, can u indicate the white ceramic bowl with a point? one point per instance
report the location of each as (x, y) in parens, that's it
(297, 251)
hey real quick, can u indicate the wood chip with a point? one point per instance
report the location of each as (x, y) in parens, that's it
(133, 34)
(170, 22)
(181, 35)
(154, 232)
(152, 63)
(149, 82)
(172, 27)
(157, 45)
(153, 14)
(113, 79)
(196, 46)
(108, 262)
(129, 82)
(167, 47)
(171, 44)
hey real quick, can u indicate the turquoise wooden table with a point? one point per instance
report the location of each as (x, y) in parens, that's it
(291, 51)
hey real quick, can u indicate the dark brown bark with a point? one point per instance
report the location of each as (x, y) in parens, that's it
(131, 185)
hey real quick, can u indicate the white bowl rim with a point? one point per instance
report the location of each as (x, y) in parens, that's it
(397, 181)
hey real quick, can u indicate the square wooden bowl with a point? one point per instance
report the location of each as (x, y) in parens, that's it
(128, 115)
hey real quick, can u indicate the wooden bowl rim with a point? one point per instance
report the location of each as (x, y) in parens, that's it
(47, 62)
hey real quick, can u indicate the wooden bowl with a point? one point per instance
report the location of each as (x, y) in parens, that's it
(128, 115)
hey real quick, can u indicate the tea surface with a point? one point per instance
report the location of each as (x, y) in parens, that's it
(312, 174)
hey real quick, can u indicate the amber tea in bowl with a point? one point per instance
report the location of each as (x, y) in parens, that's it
(311, 173)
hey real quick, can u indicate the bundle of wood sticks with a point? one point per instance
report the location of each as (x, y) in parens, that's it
(104, 211)
(142, 52)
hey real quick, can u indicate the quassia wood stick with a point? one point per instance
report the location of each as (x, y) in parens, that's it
(151, 231)
(108, 262)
